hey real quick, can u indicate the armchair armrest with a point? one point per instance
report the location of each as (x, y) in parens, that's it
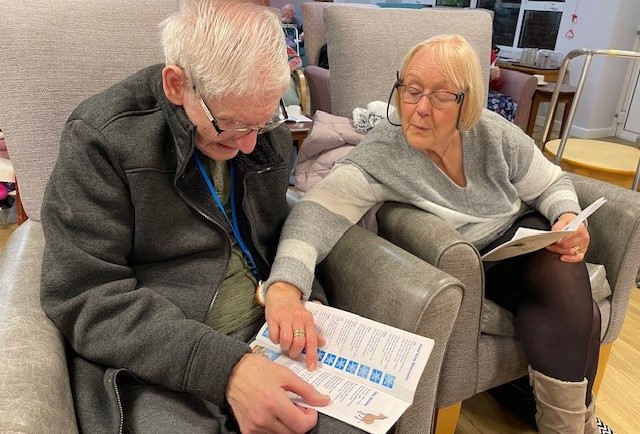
(319, 88)
(520, 87)
(300, 82)
(436, 242)
(615, 241)
(369, 276)
(36, 395)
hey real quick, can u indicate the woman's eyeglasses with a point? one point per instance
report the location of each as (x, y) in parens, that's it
(440, 99)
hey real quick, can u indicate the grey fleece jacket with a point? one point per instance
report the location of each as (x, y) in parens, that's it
(136, 247)
(506, 174)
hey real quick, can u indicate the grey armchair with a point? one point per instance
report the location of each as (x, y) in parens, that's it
(484, 350)
(315, 36)
(518, 85)
(57, 53)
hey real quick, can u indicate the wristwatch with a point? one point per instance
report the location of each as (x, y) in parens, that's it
(261, 294)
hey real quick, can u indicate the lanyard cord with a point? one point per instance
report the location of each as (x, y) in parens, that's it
(233, 223)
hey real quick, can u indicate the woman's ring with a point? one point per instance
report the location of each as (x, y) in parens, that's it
(298, 333)
(576, 250)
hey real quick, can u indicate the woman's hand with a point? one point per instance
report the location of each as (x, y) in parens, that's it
(573, 247)
(290, 324)
(494, 72)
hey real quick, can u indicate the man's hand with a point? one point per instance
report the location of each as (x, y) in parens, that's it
(290, 324)
(257, 394)
(574, 246)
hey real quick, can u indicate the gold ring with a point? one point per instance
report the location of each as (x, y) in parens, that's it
(577, 250)
(298, 333)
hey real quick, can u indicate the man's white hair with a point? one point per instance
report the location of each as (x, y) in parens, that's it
(227, 48)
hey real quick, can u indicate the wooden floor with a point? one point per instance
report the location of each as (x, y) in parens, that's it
(5, 231)
(618, 400)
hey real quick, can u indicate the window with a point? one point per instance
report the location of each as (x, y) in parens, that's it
(520, 23)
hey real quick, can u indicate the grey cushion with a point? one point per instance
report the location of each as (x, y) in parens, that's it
(106, 43)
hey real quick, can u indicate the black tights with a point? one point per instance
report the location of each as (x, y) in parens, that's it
(557, 320)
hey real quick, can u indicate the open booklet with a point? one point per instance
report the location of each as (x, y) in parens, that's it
(527, 240)
(370, 370)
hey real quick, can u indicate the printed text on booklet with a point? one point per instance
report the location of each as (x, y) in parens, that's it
(369, 369)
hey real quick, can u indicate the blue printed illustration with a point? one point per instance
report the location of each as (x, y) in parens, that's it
(388, 381)
(321, 354)
(340, 364)
(266, 332)
(376, 376)
(330, 359)
(351, 367)
(363, 371)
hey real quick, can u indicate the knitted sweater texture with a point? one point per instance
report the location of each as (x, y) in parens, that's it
(506, 174)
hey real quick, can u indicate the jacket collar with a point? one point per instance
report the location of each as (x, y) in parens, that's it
(183, 131)
(181, 128)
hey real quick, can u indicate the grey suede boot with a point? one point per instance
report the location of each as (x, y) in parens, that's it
(560, 405)
(592, 424)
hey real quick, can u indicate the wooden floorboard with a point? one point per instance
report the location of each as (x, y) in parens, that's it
(618, 402)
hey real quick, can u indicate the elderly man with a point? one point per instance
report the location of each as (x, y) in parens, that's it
(289, 17)
(161, 215)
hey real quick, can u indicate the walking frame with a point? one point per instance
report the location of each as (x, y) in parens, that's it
(589, 53)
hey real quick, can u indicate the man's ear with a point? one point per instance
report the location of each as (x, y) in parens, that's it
(174, 84)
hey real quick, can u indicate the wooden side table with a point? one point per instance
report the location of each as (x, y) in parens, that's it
(543, 94)
(607, 161)
(550, 74)
(299, 132)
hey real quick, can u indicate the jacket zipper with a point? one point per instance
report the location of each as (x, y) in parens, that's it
(118, 400)
(244, 186)
(192, 205)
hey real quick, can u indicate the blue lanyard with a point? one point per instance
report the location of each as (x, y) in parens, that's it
(233, 223)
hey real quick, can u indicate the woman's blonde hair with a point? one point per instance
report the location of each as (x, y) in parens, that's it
(456, 59)
(227, 47)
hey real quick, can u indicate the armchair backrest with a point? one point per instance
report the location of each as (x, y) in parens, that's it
(315, 35)
(57, 53)
(366, 47)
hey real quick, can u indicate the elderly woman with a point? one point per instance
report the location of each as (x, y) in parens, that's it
(474, 169)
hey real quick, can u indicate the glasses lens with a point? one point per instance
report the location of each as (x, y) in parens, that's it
(234, 133)
(278, 118)
(409, 94)
(442, 99)
(270, 126)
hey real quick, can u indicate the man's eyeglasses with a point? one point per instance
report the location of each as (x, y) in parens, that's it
(440, 99)
(276, 120)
